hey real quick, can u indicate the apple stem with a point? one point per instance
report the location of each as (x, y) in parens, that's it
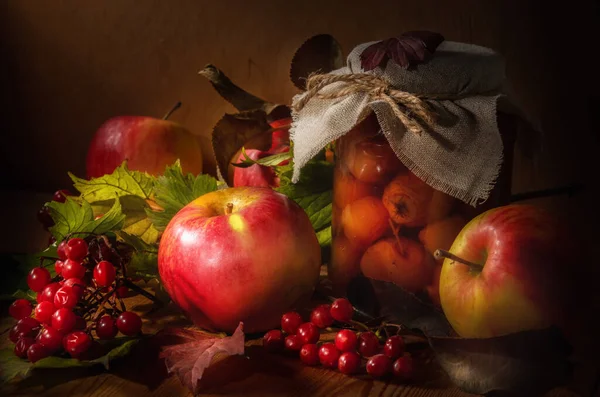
(229, 208)
(440, 253)
(170, 112)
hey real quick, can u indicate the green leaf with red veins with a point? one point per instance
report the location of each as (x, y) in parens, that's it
(174, 190)
(71, 218)
(122, 182)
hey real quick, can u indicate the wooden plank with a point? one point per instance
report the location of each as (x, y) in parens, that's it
(256, 374)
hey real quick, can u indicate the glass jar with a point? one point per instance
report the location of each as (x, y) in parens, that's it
(386, 222)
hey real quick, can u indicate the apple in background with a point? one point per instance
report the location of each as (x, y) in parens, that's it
(239, 254)
(260, 175)
(148, 144)
(512, 272)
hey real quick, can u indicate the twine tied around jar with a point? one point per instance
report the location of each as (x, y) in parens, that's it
(404, 104)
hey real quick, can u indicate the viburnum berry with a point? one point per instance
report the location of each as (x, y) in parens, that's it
(60, 250)
(321, 316)
(293, 343)
(403, 367)
(273, 341)
(342, 310)
(77, 285)
(290, 322)
(38, 278)
(27, 326)
(346, 340)
(64, 320)
(379, 365)
(45, 218)
(309, 354)
(76, 249)
(80, 323)
(129, 323)
(368, 344)
(104, 273)
(394, 347)
(77, 343)
(51, 339)
(61, 195)
(20, 308)
(73, 269)
(65, 297)
(329, 355)
(47, 294)
(58, 266)
(308, 333)
(44, 311)
(349, 363)
(22, 346)
(122, 291)
(36, 352)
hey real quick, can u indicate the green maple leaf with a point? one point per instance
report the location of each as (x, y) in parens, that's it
(133, 189)
(71, 218)
(144, 261)
(122, 182)
(174, 190)
(136, 221)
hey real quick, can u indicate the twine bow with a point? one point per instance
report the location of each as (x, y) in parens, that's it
(404, 105)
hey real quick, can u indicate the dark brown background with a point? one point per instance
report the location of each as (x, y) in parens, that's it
(68, 65)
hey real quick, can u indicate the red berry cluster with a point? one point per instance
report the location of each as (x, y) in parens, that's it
(350, 352)
(81, 303)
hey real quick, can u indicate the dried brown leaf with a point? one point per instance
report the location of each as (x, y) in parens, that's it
(189, 360)
(528, 363)
(240, 98)
(406, 50)
(246, 129)
(320, 53)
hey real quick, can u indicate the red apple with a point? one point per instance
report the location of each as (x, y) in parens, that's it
(260, 175)
(255, 175)
(517, 275)
(148, 144)
(239, 254)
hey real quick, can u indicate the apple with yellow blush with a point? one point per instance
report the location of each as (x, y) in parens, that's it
(239, 254)
(508, 270)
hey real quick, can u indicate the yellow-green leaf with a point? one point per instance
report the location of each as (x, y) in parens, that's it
(72, 218)
(122, 182)
(136, 221)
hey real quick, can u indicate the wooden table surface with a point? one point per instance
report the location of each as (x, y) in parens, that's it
(258, 373)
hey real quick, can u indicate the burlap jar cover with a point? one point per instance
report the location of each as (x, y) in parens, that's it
(439, 116)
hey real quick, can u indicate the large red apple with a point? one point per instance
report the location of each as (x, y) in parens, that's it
(148, 144)
(239, 254)
(515, 276)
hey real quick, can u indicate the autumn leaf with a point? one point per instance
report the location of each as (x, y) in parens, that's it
(406, 50)
(189, 360)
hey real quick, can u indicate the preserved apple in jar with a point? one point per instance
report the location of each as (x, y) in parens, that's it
(387, 223)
